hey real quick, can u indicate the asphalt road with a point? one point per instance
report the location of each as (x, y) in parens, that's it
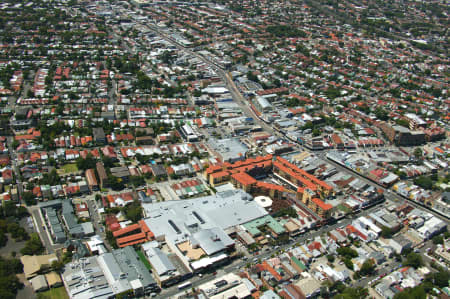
(387, 192)
(235, 93)
(45, 238)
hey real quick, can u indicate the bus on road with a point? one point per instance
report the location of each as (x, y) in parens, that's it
(184, 285)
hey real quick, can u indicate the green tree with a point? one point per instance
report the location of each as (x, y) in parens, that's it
(418, 152)
(424, 181)
(88, 163)
(115, 183)
(17, 232)
(51, 178)
(9, 285)
(9, 209)
(133, 211)
(108, 161)
(33, 246)
(381, 114)
(348, 263)
(252, 77)
(440, 278)
(166, 57)
(3, 239)
(412, 293)
(285, 31)
(367, 268)
(332, 92)
(402, 122)
(29, 198)
(386, 232)
(10, 266)
(413, 260)
(438, 239)
(111, 240)
(316, 132)
(57, 266)
(347, 252)
(353, 293)
(7, 293)
(67, 257)
(137, 181)
(338, 286)
(22, 212)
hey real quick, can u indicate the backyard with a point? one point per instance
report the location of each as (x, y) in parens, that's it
(54, 293)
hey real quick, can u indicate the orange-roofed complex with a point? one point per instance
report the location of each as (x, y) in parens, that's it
(129, 230)
(300, 177)
(132, 240)
(242, 174)
(274, 191)
(218, 178)
(243, 181)
(263, 162)
(133, 234)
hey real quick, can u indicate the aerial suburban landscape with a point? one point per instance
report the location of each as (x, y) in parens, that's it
(224, 149)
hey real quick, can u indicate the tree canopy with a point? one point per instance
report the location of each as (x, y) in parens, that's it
(412, 293)
(424, 181)
(133, 211)
(29, 198)
(88, 163)
(413, 260)
(386, 232)
(347, 252)
(9, 283)
(367, 268)
(33, 246)
(353, 293)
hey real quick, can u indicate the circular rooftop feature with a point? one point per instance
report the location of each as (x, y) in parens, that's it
(263, 201)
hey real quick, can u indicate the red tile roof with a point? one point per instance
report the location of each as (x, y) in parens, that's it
(139, 237)
(272, 271)
(269, 186)
(126, 230)
(220, 174)
(322, 205)
(244, 178)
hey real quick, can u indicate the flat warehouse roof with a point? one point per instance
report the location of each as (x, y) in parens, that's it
(223, 210)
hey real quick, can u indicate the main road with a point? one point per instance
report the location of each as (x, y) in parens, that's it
(387, 192)
(224, 75)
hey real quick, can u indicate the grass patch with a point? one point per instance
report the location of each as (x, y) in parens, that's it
(144, 260)
(69, 168)
(54, 293)
(344, 208)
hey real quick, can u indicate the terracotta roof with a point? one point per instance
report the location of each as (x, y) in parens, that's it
(322, 205)
(133, 238)
(272, 271)
(220, 174)
(269, 186)
(244, 178)
(126, 230)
